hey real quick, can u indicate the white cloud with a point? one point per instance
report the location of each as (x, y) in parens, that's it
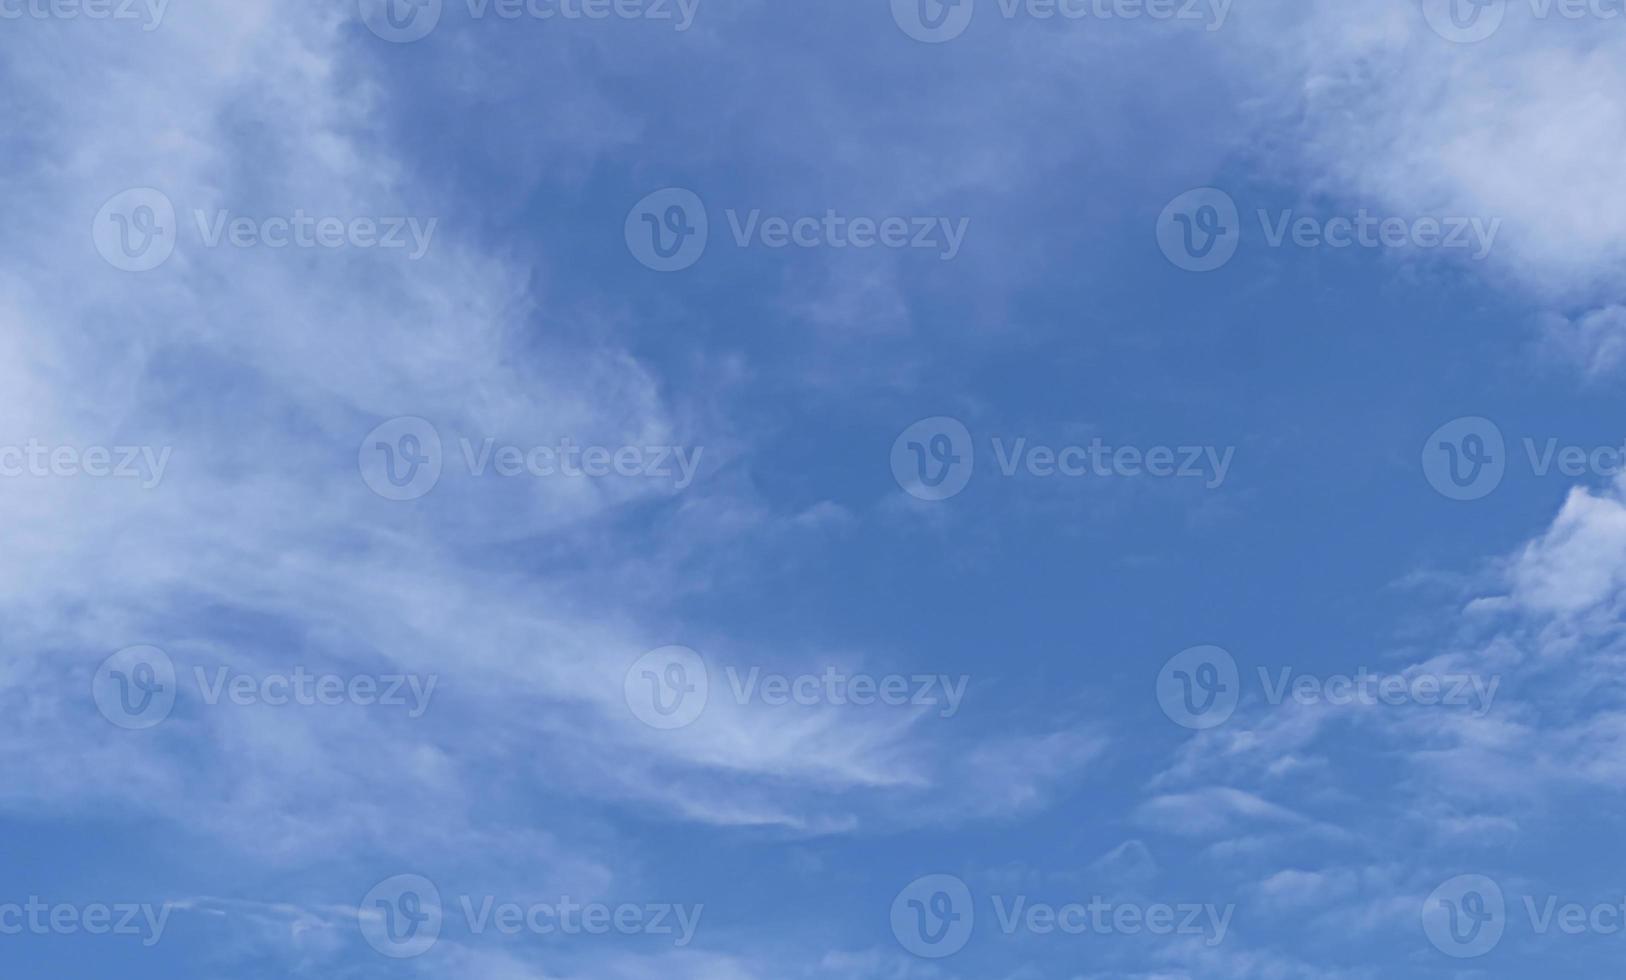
(1579, 563)
(262, 548)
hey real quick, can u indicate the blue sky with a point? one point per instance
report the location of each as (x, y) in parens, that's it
(1080, 490)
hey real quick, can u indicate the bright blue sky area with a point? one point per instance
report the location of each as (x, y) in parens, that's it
(1323, 831)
